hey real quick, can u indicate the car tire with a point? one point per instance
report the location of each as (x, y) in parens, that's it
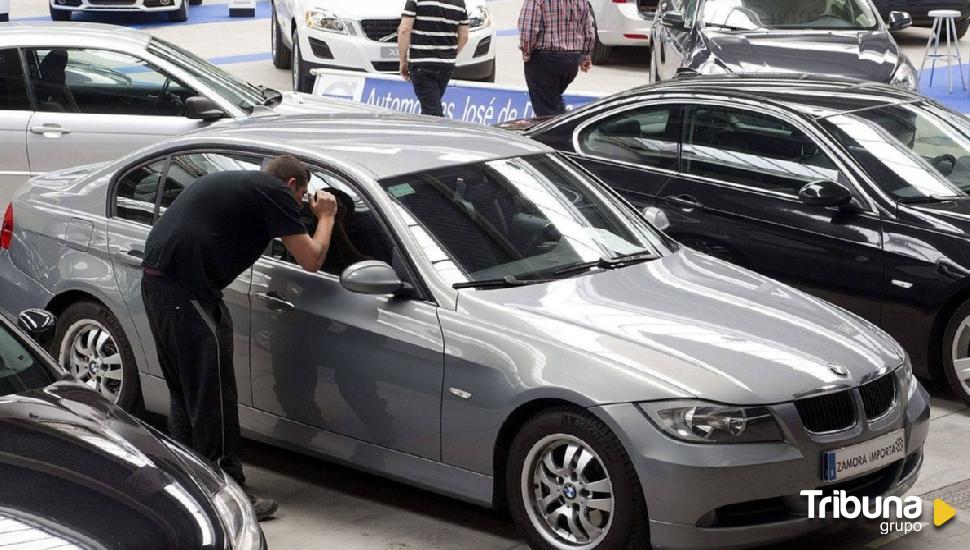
(88, 334)
(607, 478)
(299, 69)
(195, 2)
(962, 26)
(282, 56)
(956, 352)
(180, 15)
(60, 15)
(601, 53)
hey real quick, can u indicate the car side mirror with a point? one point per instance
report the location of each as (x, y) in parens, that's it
(656, 217)
(899, 20)
(373, 277)
(202, 108)
(824, 193)
(673, 19)
(39, 324)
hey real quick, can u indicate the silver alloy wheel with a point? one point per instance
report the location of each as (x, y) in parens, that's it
(90, 353)
(960, 354)
(567, 492)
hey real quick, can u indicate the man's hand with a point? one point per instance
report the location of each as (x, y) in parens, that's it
(585, 65)
(405, 71)
(323, 205)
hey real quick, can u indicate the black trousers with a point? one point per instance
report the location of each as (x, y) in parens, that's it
(430, 83)
(194, 343)
(548, 74)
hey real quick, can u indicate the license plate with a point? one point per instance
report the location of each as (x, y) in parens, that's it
(863, 457)
(389, 52)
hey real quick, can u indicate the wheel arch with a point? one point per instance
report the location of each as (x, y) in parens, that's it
(934, 354)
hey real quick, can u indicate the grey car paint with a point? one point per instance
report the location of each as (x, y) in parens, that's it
(35, 142)
(425, 389)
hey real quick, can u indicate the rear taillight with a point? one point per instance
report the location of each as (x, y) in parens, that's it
(6, 231)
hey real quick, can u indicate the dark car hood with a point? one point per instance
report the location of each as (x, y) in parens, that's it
(945, 216)
(858, 54)
(702, 325)
(78, 469)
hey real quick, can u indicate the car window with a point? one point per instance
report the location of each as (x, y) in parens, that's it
(185, 169)
(732, 15)
(13, 87)
(76, 80)
(357, 234)
(647, 136)
(20, 369)
(752, 149)
(137, 191)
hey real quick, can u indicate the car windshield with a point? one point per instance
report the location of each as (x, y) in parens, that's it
(750, 15)
(240, 93)
(20, 369)
(913, 151)
(526, 218)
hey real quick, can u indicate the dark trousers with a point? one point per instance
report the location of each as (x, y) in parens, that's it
(430, 83)
(548, 74)
(194, 343)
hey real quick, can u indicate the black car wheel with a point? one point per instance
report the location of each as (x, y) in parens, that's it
(90, 344)
(571, 485)
(601, 53)
(180, 15)
(195, 2)
(956, 352)
(962, 26)
(282, 56)
(299, 69)
(60, 15)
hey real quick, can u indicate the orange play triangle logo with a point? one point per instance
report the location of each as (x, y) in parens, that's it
(942, 512)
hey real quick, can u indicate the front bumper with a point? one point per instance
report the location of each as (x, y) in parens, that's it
(141, 6)
(734, 496)
(359, 53)
(623, 25)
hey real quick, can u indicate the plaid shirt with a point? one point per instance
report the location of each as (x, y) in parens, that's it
(560, 25)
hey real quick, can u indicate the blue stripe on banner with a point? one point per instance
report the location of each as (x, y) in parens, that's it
(206, 13)
(507, 32)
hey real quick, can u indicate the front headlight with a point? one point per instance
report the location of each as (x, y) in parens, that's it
(325, 20)
(905, 76)
(909, 381)
(703, 422)
(237, 516)
(478, 17)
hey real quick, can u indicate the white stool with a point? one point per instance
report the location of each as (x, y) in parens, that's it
(944, 21)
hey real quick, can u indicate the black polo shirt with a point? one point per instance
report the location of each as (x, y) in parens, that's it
(218, 227)
(434, 39)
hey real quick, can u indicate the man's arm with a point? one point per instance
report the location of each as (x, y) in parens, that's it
(589, 38)
(404, 37)
(311, 252)
(462, 37)
(530, 21)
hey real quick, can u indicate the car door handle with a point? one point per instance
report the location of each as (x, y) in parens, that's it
(276, 302)
(50, 130)
(132, 258)
(684, 202)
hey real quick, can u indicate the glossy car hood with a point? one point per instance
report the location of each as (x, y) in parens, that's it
(863, 55)
(78, 469)
(946, 217)
(690, 321)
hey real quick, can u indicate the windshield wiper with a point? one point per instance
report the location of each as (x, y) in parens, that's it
(503, 282)
(723, 26)
(615, 262)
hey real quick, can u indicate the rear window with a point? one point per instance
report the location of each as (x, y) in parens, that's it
(20, 369)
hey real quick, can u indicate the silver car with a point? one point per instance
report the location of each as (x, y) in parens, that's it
(79, 93)
(495, 325)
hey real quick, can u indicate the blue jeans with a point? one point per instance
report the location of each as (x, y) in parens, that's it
(430, 83)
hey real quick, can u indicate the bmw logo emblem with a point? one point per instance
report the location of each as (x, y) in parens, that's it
(838, 370)
(569, 491)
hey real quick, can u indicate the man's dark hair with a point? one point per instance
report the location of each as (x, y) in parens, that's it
(285, 167)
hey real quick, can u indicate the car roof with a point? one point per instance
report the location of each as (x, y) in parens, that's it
(384, 144)
(813, 95)
(72, 34)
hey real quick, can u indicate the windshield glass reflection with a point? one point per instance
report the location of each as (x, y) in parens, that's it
(749, 15)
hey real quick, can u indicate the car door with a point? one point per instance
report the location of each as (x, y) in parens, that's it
(15, 113)
(95, 105)
(366, 367)
(138, 199)
(736, 198)
(634, 149)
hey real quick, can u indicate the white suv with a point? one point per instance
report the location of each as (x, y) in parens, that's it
(178, 10)
(621, 23)
(362, 36)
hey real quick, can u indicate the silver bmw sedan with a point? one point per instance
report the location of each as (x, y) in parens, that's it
(493, 324)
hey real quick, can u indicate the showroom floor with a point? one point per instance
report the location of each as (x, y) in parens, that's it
(325, 506)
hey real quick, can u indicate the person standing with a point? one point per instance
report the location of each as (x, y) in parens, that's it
(215, 230)
(556, 38)
(431, 35)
